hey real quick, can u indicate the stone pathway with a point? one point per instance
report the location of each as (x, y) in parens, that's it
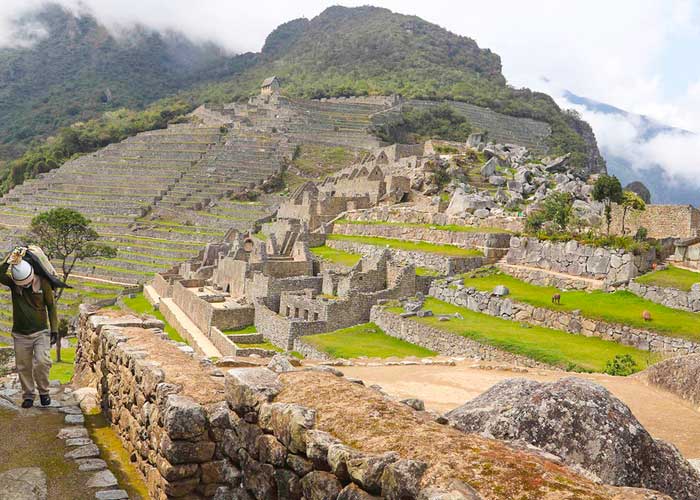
(30, 483)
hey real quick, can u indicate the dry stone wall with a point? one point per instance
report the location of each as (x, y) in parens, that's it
(615, 266)
(444, 343)
(454, 292)
(226, 437)
(669, 297)
(440, 263)
(493, 245)
(660, 221)
(541, 277)
(410, 214)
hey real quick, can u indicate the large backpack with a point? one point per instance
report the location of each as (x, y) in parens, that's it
(43, 267)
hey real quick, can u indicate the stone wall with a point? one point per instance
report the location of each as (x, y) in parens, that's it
(205, 314)
(410, 214)
(661, 221)
(541, 277)
(493, 245)
(440, 263)
(309, 351)
(7, 360)
(444, 343)
(456, 293)
(232, 441)
(614, 266)
(669, 297)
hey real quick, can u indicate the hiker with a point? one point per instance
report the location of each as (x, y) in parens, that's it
(33, 312)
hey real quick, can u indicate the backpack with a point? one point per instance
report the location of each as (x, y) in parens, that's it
(43, 267)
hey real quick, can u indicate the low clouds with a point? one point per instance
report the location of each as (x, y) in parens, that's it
(634, 54)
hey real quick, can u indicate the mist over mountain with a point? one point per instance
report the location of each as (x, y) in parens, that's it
(639, 148)
(65, 67)
(73, 68)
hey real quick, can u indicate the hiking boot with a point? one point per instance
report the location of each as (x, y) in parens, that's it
(45, 399)
(27, 403)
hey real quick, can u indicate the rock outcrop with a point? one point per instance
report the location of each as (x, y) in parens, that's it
(585, 425)
(680, 375)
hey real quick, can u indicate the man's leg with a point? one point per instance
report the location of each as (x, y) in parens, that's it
(42, 361)
(24, 348)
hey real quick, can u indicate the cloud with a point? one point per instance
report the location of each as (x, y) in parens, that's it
(633, 54)
(628, 137)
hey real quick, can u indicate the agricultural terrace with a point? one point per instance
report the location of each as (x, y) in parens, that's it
(365, 340)
(554, 347)
(620, 307)
(671, 277)
(410, 246)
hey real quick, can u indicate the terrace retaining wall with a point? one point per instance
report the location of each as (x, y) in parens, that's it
(412, 215)
(236, 443)
(440, 263)
(442, 342)
(669, 297)
(454, 292)
(493, 245)
(614, 266)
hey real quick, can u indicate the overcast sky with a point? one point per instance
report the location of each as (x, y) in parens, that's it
(639, 55)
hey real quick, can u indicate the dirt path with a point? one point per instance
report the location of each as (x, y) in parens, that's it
(443, 388)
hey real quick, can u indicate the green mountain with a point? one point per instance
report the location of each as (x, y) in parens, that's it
(369, 50)
(77, 70)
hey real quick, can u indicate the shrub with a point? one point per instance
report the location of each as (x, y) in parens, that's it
(641, 234)
(621, 365)
(556, 209)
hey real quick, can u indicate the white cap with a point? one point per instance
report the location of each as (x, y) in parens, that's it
(22, 273)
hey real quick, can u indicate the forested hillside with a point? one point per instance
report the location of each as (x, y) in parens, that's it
(76, 69)
(79, 70)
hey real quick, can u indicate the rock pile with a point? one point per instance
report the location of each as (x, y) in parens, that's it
(585, 425)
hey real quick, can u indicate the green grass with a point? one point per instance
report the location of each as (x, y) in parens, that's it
(241, 331)
(424, 271)
(140, 305)
(262, 345)
(554, 347)
(439, 227)
(411, 246)
(336, 256)
(672, 277)
(365, 340)
(619, 307)
(63, 371)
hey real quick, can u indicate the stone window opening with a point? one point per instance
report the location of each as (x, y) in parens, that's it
(315, 316)
(296, 312)
(289, 311)
(306, 314)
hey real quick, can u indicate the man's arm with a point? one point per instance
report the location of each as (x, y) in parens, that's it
(50, 305)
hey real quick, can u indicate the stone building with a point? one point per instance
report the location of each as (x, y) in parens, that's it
(270, 86)
(335, 300)
(660, 221)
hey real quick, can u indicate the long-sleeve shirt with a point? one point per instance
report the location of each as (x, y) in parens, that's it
(31, 311)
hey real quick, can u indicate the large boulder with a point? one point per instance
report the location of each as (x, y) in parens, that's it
(590, 429)
(463, 202)
(680, 375)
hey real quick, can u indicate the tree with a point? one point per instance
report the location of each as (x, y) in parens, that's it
(66, 236)
(631, 201)
(608, 190)
(556, 208)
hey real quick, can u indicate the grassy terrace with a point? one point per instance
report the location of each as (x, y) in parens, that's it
(263, 345)
(364, 340)
(554, 347)
(140, 305)
(241, 331)
(619, 307)
(411, 246)
(336, 256)
(445, 227)
(672, 277)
